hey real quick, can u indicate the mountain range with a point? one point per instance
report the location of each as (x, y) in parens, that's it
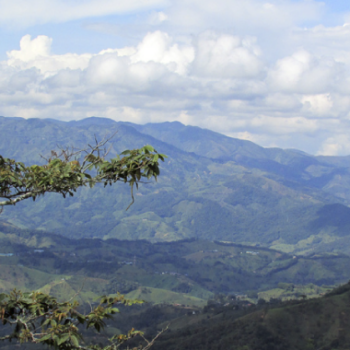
(211, 187)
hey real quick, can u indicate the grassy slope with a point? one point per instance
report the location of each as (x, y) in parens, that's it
(159, 296)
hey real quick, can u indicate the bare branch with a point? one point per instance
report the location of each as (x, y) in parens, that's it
(79, 291)
(151, 342)
(16, 200)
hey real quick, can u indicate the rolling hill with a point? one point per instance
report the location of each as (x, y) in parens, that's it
(192, 270)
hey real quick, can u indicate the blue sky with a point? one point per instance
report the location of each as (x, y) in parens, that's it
(337, 6)
(274, 72)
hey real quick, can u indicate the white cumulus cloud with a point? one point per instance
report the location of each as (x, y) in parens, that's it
(36, 54)
(214, 79)
(302, 72)
(226, 56)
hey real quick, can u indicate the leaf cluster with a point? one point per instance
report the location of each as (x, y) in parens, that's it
(64, 173)
(39, 318)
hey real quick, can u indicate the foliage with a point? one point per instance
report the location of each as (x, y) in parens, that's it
(40, 319)
(64, 173)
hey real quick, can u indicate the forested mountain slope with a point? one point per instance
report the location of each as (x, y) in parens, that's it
(321, 323)
(211, 187)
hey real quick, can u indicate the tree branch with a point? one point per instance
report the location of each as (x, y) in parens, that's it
(64, 176)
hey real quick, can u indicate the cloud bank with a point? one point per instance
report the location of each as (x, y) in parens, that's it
(223, 79)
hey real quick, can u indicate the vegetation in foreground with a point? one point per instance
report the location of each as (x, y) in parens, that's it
(39, 318)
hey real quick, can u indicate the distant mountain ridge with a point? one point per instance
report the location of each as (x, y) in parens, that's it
(211, 186)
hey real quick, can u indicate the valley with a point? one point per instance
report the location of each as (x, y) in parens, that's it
(194, 286)
(185, 272)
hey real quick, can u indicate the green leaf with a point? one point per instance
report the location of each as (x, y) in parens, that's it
(46, 322)
(155, 157)
(81, 319)
(74, 340)
(45, 337)
(63, 339)
(149, 148)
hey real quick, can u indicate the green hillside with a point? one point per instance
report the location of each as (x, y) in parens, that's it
(186, 269)
(321, 323)
(161, 296)
(211, 187)
(213, 294)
